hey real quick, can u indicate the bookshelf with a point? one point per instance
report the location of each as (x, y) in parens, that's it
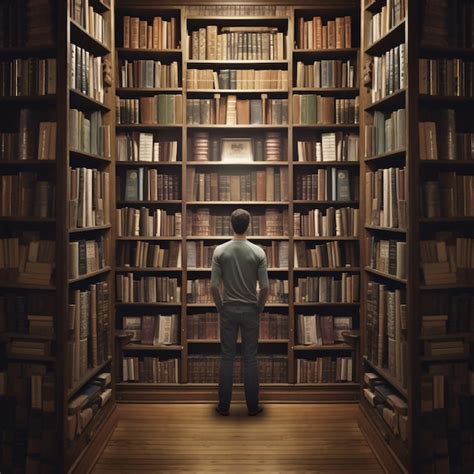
(197, 80)
(42, 434)
(409, 389)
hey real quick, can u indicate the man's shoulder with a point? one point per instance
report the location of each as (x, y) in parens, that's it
(257, 249)
(221, 247)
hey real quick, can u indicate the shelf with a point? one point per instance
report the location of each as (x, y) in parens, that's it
(236, 127)
(236, 62)
(248, 163)
(445, 51)
(445, 101)
(320, 164)
(150, 203)
(139, 304)
(144, 126)
(325, 203)
(22, 286)
(212, 305)
(25, 163)
(325, 239)
(385, 275)
(81, 37)
(395, 230)
(97, 228)
(390, 102)
(84, 155)
(28, 220)
(146, 347)
(387, 376)
(318, 304)
(393, 37)
(140, 91)
(327, 126)
(444, 358)
(326, 347)
(84, 102)
(327, 269)
(204, 270)
(237, 203)
(29, 52)
(446, 220)
(328, 52)
(440, 337)
(191, 92)
(29, 100)
(86, 378)
(145, 52)
(238, 19)
(147, 238)
(147, 269)
(452, 286)
(217, 341)
(447, 163)
(149, 163)
(19, 335)
(31, 358)
(89, 275)
(375, 5)
(229, 237)
(387, 158)
(338, 91)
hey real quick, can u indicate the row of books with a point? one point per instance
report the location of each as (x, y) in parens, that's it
(143, 222)
(205, 369)
(86, 256)
(87, 73)
(386, 197)
(237, 79)
(386, 329)
(237, 43)
(198, 254)
(446, 76)
(142, 146)
(390, 15)
(334, 146)
(333, 222)
(269, 184)
(206, 326)
(34, 140)
(87, 404)
(27, 403)
(450, 348)
(88, 197)
(389, 256)
(164, 109)
(324, 370)
(320, 330)
(444, 313)
(148, 73)
(157, 33)
(150, 370)
(27, 77)
(450, 195)
(89, 330)
(316, 109)
(328, 184)
(22, 26)
(335, 34)
(239, 10)
(31, 313)
(276, 253)
(204, 222)
(447, 259)
(440, 141)
(328, 255)
(153, 330)
(327, 73)
(388, 73)
(147, 289)
(18, 346)
(272, 146)
(27, 259)
(386, 134)
(26, 195)
(94, 23)
(328, 289)
(149, 255)
(144, 184)
(87, 133)
(230, 110)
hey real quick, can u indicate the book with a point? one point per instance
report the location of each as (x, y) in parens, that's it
(152, 33)
(141, 146)
(328, 184)
(148, 73)
(332, 222)
(388, 256)
(317, 34)
(86, 73)
(324, 370)
(386, 134)
(164, 109)
(88, 134)
(148, 255)
(150, 370)
(315, 109)
(327, 289)
(330, 73)
(136, 222)
(86, 256)
(329, 255)
(131, 289)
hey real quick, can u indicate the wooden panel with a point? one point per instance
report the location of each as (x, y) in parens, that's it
(290, 438)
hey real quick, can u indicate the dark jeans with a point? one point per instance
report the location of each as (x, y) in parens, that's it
(232, 317)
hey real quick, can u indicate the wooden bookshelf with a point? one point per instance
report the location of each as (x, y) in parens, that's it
(425, 425)
(183, 133)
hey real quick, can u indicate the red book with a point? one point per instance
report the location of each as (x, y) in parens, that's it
(327, 329)
(148, 329)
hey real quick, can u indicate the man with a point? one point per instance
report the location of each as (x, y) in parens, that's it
(238, 264)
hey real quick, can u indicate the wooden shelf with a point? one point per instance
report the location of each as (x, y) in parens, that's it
(337, 91)
(236, 62)
(166, 202)
(238, 19)
(328, 52)
(452, 286)
(148, 163)
(32, 358)
(29, 52)
(84, 155)
(440, 337)
(82, 38)
(444, 358)
(212, 305)
(147, 347)
(84, 102)
(320, 164)
(22, 286)
(374, 6)
(395, 230)
(29, 100)
(447, 163)
(373, 271)
(145, 238)
(325, 203)
(446, 220)
(388, 377)
(390, 102)
(143, 126)
(28, 220)
(97, 228)
(19, 335)
(387, 158)
(448, 51)
(191, 92)
(237, 203)
(327, 269)
(326, 347)
(139, 304)
(236, 127)
(392, 38)
(140, 91)
(91, 373)
(209, 269)
(250, 163)
(229, 237)
(80, 278)
(26, 163)
(147, 269)
(327, 126)
(446, 101)
(217, 341)
(318, 304)
(325, 239)
(145, 52)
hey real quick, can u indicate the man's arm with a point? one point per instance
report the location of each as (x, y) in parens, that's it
(262, 276)
(216, 277)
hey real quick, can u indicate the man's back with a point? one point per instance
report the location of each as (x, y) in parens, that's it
(239, 264)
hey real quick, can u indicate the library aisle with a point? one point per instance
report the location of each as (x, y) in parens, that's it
(298, 438)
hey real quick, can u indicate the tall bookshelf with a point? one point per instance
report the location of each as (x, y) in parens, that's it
(36, 318)
(413, 408)
(190, 18)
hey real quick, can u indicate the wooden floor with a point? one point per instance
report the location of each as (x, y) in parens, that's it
(192, 438)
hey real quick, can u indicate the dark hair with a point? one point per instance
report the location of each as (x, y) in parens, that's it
(240, 220)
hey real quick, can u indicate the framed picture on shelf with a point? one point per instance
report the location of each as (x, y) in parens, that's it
(236, 150)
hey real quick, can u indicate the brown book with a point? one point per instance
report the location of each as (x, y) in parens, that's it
(243, 112)
(148, 329)
(327, 329)
(340, 32)
(347, 32)
(126, 31)
(142, 34)
(134, 32)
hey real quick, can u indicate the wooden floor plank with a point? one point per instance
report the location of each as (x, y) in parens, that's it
(193, 438)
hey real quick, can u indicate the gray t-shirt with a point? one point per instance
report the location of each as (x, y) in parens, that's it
(239, 264)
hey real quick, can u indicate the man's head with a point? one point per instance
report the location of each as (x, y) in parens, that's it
(240, 220)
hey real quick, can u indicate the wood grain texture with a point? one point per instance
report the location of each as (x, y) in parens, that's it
(193, 438)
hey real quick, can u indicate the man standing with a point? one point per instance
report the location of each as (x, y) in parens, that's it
(238, 264)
